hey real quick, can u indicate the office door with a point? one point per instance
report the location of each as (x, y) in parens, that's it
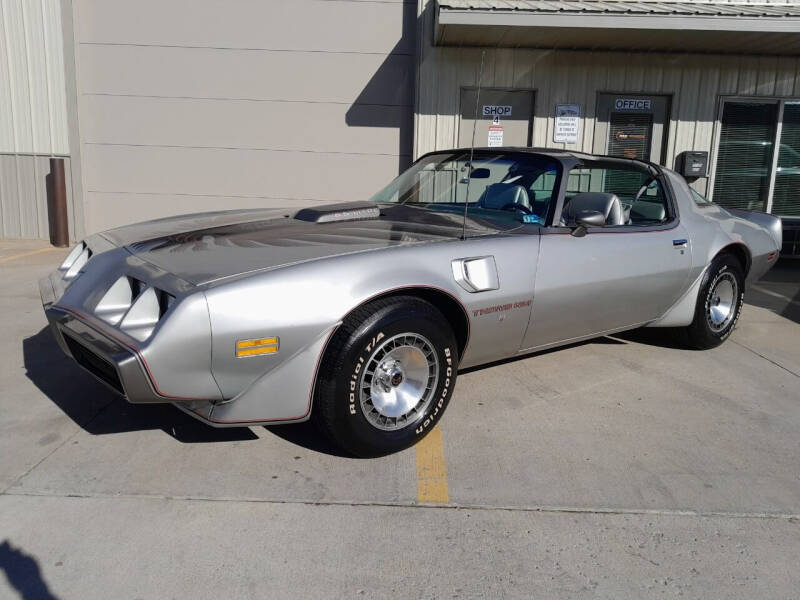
(632, 126)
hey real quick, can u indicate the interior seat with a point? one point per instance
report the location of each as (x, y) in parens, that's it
(498, 195)
(607, 204)
(643, 210)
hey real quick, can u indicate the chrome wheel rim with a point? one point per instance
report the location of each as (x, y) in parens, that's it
(399, 381)
(721, 302)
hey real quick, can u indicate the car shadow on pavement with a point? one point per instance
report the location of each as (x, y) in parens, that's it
(662, 337)
(308, 436)
(779, 290)
(100, 411)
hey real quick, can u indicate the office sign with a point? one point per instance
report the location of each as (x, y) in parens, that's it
(491, 110)
(634, 104)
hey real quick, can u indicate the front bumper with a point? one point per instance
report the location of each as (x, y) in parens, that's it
(108, 360)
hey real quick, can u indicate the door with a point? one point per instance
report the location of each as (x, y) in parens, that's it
(614, 277)
(632, 126)
(505, 118)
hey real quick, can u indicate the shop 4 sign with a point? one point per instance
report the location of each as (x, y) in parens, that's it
(495, 110)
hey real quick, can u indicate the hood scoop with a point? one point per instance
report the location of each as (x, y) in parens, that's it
(333, 213)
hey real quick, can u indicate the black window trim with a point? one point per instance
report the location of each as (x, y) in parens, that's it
(669, 193)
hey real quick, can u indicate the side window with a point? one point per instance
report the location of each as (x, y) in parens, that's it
(641, 197)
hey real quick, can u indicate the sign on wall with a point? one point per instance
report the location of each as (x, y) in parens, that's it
(568, 123)
(632, 104)
(495, 136)
(491, 110)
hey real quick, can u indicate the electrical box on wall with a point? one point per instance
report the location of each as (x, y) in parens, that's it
(693, 164)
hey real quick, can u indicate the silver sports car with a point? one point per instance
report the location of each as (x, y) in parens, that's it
(360, 314)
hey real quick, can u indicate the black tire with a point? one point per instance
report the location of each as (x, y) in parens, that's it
(704, 332)
(367, 335)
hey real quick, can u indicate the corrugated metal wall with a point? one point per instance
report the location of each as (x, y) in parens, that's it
(695, 82)
(23, 196)
(33, 113)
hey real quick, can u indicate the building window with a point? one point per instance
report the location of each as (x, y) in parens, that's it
(758, 156)
(787, 174)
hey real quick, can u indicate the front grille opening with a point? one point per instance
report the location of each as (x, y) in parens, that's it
(94, 363)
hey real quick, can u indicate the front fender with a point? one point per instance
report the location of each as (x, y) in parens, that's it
(303, 304)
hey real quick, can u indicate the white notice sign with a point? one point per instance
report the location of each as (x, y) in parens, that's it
(568, 123)
(495, 136)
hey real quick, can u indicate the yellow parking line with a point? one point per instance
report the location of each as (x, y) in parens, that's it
(24, 254)
(431, 469)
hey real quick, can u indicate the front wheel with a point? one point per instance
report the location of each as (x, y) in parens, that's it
(719, 303)
(386, 377)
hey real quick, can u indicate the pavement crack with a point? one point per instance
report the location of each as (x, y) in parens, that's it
(766, 358)
(644, 558)
(545, 509)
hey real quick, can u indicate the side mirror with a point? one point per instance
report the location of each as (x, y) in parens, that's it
(588, 218)
(479, 173)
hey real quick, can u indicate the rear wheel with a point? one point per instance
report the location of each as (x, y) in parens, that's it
(719, 303)
(386, 377)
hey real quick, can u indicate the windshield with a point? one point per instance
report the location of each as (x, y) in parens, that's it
(513, 185)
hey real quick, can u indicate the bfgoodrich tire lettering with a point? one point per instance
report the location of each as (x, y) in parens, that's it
(719, 303)
(387, 376)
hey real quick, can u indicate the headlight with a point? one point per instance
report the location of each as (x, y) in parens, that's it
(133, 306)
(75, 260)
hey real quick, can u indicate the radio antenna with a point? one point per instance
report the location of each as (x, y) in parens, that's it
(472, 146)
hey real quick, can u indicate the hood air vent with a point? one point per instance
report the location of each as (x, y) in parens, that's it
(346, 211)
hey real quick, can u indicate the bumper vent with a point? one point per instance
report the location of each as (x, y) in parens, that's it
(94, 363)
(134, 307)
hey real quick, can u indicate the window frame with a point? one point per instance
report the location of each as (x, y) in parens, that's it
(673, 216)
(781, 102)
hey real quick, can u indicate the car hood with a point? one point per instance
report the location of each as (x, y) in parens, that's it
(206, 247)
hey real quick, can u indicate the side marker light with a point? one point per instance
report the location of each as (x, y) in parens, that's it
(257, 347)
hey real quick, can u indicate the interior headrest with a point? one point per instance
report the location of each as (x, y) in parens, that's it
(607, 204)
(498, 195)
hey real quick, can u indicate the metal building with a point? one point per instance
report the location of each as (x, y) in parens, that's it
(194, 105)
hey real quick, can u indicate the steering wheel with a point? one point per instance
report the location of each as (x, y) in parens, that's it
(517, 206)
(643, 189)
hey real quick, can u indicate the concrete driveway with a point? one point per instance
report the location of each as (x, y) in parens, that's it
(627, 467)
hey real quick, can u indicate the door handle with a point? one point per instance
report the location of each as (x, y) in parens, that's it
(679, 243)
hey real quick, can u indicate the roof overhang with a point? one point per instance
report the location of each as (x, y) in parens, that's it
(459, 25)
